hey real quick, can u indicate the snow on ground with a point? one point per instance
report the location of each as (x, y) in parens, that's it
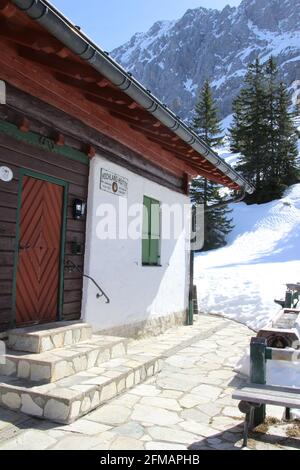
(278, 373)
(241, 280)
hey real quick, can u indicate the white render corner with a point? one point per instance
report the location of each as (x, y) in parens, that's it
(137, 293)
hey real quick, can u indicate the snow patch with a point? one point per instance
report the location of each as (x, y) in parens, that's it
(277, 42)
(190, 86)
(226, 122)
(241, 280)
(217, 83)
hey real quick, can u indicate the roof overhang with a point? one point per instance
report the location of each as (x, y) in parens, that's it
(105, 82)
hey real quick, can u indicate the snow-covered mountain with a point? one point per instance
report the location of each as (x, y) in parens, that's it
(175, 57)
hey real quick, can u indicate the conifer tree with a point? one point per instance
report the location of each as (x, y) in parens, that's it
(206, 124)
(263, 133)
(205, 121)
(287, 162)
(248, 131)
(217, 223)
(270, 157)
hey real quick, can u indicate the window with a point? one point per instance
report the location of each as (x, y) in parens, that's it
(151, 232)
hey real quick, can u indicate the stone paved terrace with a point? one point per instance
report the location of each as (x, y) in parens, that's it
(186, 406)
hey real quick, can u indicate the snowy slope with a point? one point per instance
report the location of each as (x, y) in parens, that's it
(241, 280)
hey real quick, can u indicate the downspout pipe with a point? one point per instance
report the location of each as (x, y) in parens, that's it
(69, 35)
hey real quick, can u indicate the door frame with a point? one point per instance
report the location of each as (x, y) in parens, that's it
(50, 179)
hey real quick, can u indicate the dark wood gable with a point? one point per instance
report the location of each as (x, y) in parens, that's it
(18, 152)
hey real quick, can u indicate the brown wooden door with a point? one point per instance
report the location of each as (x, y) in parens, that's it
(38, 272)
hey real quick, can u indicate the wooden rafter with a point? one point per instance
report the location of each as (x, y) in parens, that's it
(132, 118)
(65, 66)
(111, 106)
(30, 38)
(140, 118)
(36, 82)
(161, 134)
(110, 94)
(165, 141)
(7, 9)
(194, 161)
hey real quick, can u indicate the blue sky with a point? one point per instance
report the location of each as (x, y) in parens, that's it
(111, 23)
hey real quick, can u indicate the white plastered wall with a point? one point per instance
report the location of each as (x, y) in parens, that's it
(137, 293)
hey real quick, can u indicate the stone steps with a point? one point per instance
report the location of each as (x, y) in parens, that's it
(41, 338)
(48, 367)
(70, 398)
(61, 371)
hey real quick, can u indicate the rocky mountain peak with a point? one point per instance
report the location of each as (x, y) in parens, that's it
(174, 58)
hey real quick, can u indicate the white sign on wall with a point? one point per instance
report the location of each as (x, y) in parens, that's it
(113, 183)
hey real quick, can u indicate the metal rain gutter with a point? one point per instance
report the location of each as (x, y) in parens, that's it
(69, 35)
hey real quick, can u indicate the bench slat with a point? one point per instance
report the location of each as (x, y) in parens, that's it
(265, 394)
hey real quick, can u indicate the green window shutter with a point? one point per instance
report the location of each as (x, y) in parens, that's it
(151, 232)
(146, 229)
(154, 257)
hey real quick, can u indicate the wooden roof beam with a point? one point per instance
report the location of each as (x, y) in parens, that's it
(200, 166)
(7, 9)
(212, 177)
(33, 39)
(143, 120)
(22, 75)
(216, 177)
(135, 118)
(134, 105)
(65, 66)
(114, 108)
(199, 160)
(160, 134)
(102, 83)
(111, 95)
(164, 141)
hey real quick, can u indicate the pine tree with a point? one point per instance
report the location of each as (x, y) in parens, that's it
(217, 224)
(287, 167)
(206, 124)
(248, 131)
(270, 156)
(263, 133)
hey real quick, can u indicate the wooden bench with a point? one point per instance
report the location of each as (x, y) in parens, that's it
(292, 296)
(256, 395)
(283, 330)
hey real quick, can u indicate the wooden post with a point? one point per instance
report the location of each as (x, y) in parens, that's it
(191, 302)
(190, 319)
(288, 300)
(258, 373)
(195, 300)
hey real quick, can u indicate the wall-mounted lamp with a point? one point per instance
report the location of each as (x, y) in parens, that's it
(79, 208)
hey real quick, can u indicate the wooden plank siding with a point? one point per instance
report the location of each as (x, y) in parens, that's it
(17, 155)
(77, 132)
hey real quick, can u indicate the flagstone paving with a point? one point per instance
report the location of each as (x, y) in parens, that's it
(188, 405)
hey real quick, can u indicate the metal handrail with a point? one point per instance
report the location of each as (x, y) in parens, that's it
(72, 266)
